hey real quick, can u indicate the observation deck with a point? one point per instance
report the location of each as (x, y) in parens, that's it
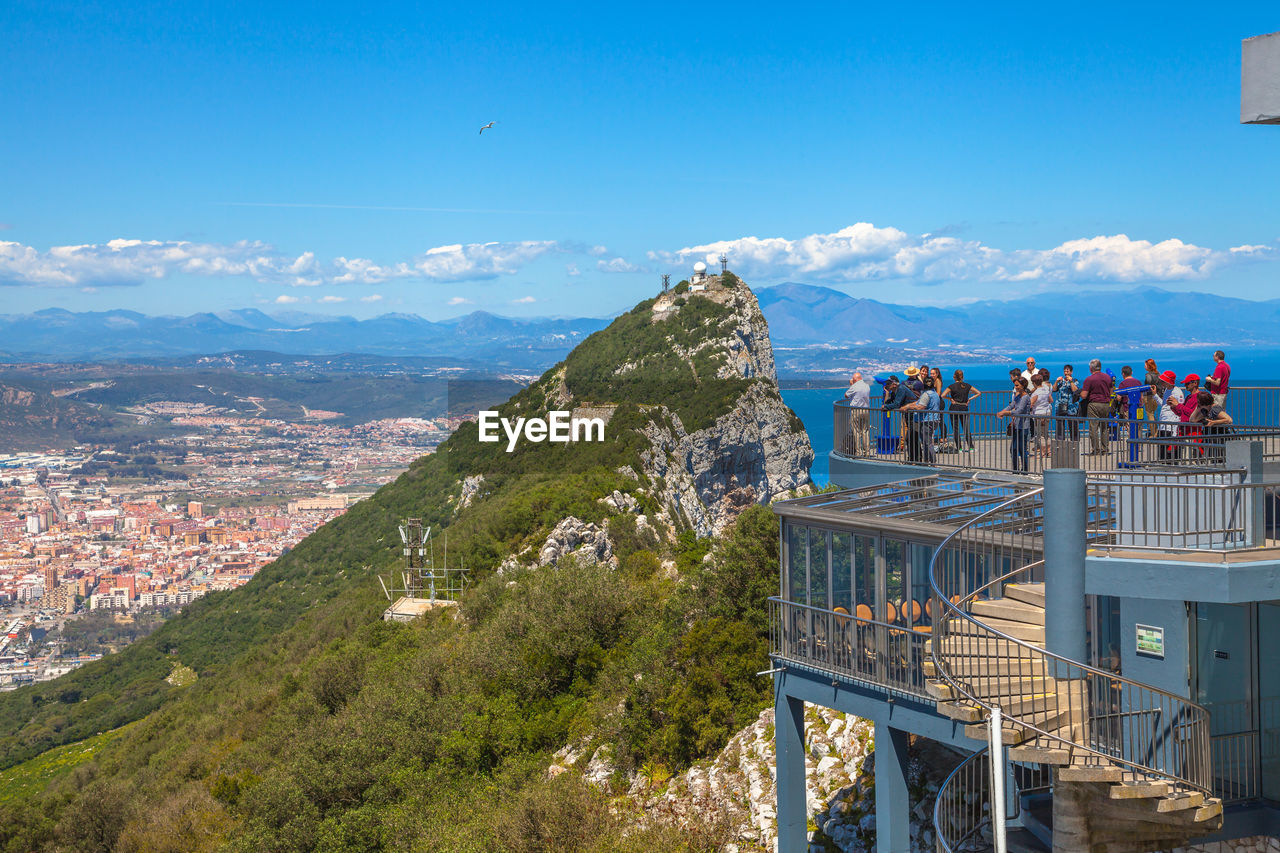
(1122, 629)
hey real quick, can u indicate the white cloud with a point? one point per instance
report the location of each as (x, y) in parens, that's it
(619, 265)
(332, 299)
(132, 262)
(864, 252)
(286, 299)
(572, 270)
(458, 300)
(524, 300)
(372, 297)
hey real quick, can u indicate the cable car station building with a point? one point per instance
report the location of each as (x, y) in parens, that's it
(1124, 625)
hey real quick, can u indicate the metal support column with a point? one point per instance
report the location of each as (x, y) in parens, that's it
(1064, 555)
(893, 805)
(1247, 455)
(789, 788)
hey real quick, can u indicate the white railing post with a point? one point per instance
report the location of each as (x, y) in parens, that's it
(996, 760)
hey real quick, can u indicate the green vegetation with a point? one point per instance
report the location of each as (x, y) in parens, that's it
(665, 362)
(30, 778)
(286, 716)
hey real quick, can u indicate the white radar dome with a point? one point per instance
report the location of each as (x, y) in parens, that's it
(699, 267)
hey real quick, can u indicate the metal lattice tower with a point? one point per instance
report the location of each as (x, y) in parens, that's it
(421, 578)
(666, 281)
(724, 263)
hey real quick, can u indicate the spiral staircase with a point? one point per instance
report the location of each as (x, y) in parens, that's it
(1125, 765)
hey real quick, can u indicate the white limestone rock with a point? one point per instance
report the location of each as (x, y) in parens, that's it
(583, 540)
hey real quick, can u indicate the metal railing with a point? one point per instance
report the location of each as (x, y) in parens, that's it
(889, 656)
(984, 441)
(1106, 719)
(1193, 512)
(1236, 766)
(961, 811)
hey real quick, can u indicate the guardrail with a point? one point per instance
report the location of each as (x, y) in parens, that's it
(986, 442)
(961, 813)
(1147, 732)
(1182, 514)
(859, 649)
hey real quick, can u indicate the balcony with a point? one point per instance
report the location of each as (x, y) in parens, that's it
(980, 441)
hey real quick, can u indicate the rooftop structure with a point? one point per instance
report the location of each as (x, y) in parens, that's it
(1260, 80)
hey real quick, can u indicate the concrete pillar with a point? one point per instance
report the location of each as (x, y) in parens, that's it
(893, 806)
(789, 787)
(1064, 553)
(1247, 456)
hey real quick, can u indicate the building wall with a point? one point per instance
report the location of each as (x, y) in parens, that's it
(1171, 673)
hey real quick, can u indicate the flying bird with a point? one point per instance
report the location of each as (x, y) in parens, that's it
(487, 126)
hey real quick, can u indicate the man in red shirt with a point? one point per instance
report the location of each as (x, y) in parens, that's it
(1096, 395)
(1219, 383)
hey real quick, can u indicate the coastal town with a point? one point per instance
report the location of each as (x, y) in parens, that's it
(135, 534)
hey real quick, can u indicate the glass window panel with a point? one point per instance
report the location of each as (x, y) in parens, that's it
(797, 554)
(842, 571)
(818, 573)
(920, 590)
(864, 576)
(1269, 697)
(895, 552)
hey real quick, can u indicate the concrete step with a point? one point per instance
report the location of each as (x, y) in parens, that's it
(1180, 802)
(1013, 734)
(992, 687)
(1030, 593)
(975, 642)
(1017, 630)
(1139, 790)
(1041, 751)
(965, 712)
(1091, 773)
(963, 666)
(1010, 610)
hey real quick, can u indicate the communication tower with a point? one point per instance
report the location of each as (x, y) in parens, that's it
(666, 281)
(421, 585)
(724, 263)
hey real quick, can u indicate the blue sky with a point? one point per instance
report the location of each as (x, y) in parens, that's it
(326, 157)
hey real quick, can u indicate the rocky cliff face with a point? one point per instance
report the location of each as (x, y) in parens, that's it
(755, 452)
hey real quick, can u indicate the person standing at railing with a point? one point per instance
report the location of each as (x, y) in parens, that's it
(1066, 392)
(1190, 391)
(1020, 427)
(928, 410)
(1030, 371)
(1042, 408)
(935, 380)
(1096, 394)
(897, 395)
(961, 394)
(1170, 400)
(1151, 400)
(1219, 382)
(858, 398)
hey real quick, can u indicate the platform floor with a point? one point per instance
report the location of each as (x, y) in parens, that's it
(993, 453)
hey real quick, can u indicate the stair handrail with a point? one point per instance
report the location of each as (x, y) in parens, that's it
(1189, 718)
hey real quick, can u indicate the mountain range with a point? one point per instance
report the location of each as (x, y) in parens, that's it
(799, 316)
